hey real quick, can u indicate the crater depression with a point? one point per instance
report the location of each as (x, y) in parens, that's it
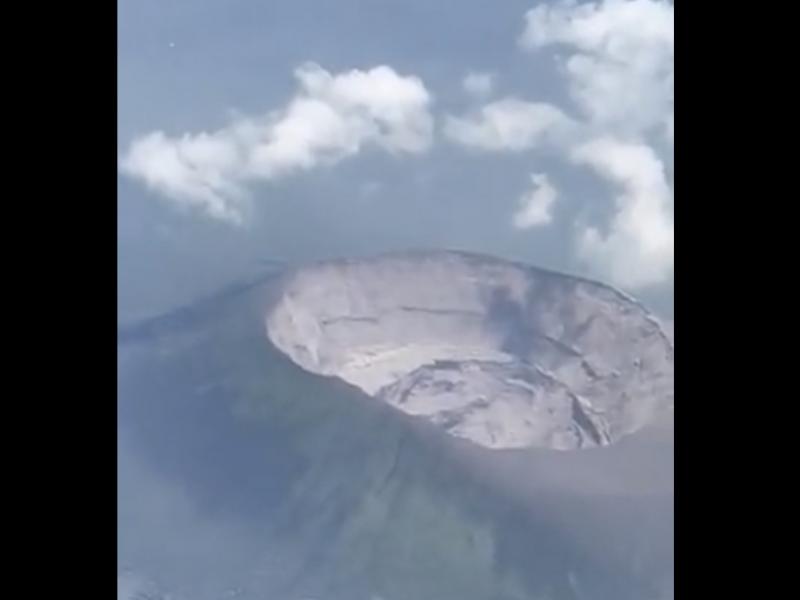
(501, 354)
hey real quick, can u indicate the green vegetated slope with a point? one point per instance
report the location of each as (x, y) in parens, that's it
(340, 498)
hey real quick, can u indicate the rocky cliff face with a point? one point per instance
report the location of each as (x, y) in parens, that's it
(500, 354)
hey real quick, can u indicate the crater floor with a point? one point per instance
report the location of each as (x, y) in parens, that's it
(498, 353)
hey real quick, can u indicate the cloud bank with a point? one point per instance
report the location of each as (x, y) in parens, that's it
(638, 249)
(620, 70)
(331, 117)
(616, 61)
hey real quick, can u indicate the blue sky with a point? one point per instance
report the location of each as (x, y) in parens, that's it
(299, 130)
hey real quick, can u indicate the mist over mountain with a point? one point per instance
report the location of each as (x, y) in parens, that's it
(415, 426)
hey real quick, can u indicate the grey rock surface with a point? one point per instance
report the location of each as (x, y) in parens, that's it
(501, 354)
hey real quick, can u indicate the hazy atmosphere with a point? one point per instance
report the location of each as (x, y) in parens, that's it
(276, 435)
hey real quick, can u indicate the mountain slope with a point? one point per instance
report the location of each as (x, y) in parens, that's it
(272, 482)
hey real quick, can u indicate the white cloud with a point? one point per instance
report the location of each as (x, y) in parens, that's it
(509, 125)
(638, 249)
(621, 71)
(620, 74)
(195, 171)
(332, 117)
(479, 85)
(536, 204)
(617, 59)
